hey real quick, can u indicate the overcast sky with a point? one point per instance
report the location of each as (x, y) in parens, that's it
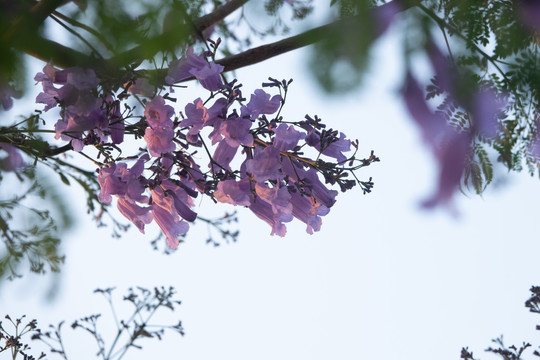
(383, 279)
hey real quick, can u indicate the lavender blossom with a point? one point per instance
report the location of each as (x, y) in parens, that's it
(261, 103)
(13, 161)
(159, 140)
(157, 113)
(265, 164)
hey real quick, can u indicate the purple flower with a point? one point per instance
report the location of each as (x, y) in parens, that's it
(116, 179)
(7, 93)
(278, 197)
(138, 215)
(181, 69)
(449, 146)
(234, 192)
(309, 180)
(452, 157)
(175, 200)
(13, 161)
(265, 164)
(190, 65)
(142, 87)
(116, 124)
(334, 148)
(209, 76)
(170, 224)
(260, 103)
(384, 15)
(263, 210)
(529, 14)
(157, 113)
(442, 66)
(223, 156)
(308, 210)
(287, 137)
(432, 125)
(111, 183)
(159, 140)
(196, 116)
(236, 131)
(487, 107)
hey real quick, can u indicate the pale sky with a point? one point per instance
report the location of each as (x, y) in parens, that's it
(383, 279)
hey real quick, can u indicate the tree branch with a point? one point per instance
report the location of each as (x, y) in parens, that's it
(26, 25)
(171, 37)
(265, 52)
(217, 15)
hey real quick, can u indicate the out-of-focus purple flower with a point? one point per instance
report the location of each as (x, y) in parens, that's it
(116, 124)
(449, 146)
(196, 117)
(138, 215)
(443, 68)
(7, 93)
(431, 124)
(75, 82)
(142, 87)
(260, 103)
(158, 113)
(452, 157)
(13, 161)
(384, 15)
(265, 164)
(529, 14)
(287, 137)
(234, 192)
(236, 131)
(82, 79)
(159, 140)
(486, 109)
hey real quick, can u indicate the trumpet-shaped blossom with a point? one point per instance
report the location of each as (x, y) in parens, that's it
(287, 137)
(265, 164)
(138, 215)
(234, 192)
(196, 117)
(261, 103)
(236, 131)
(208, 73)
(159, 140)
(171, 225)
(264, 211)
(223, 156)
(158, 113)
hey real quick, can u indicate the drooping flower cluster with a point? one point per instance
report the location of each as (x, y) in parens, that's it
(87, 117)
(255, 159)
